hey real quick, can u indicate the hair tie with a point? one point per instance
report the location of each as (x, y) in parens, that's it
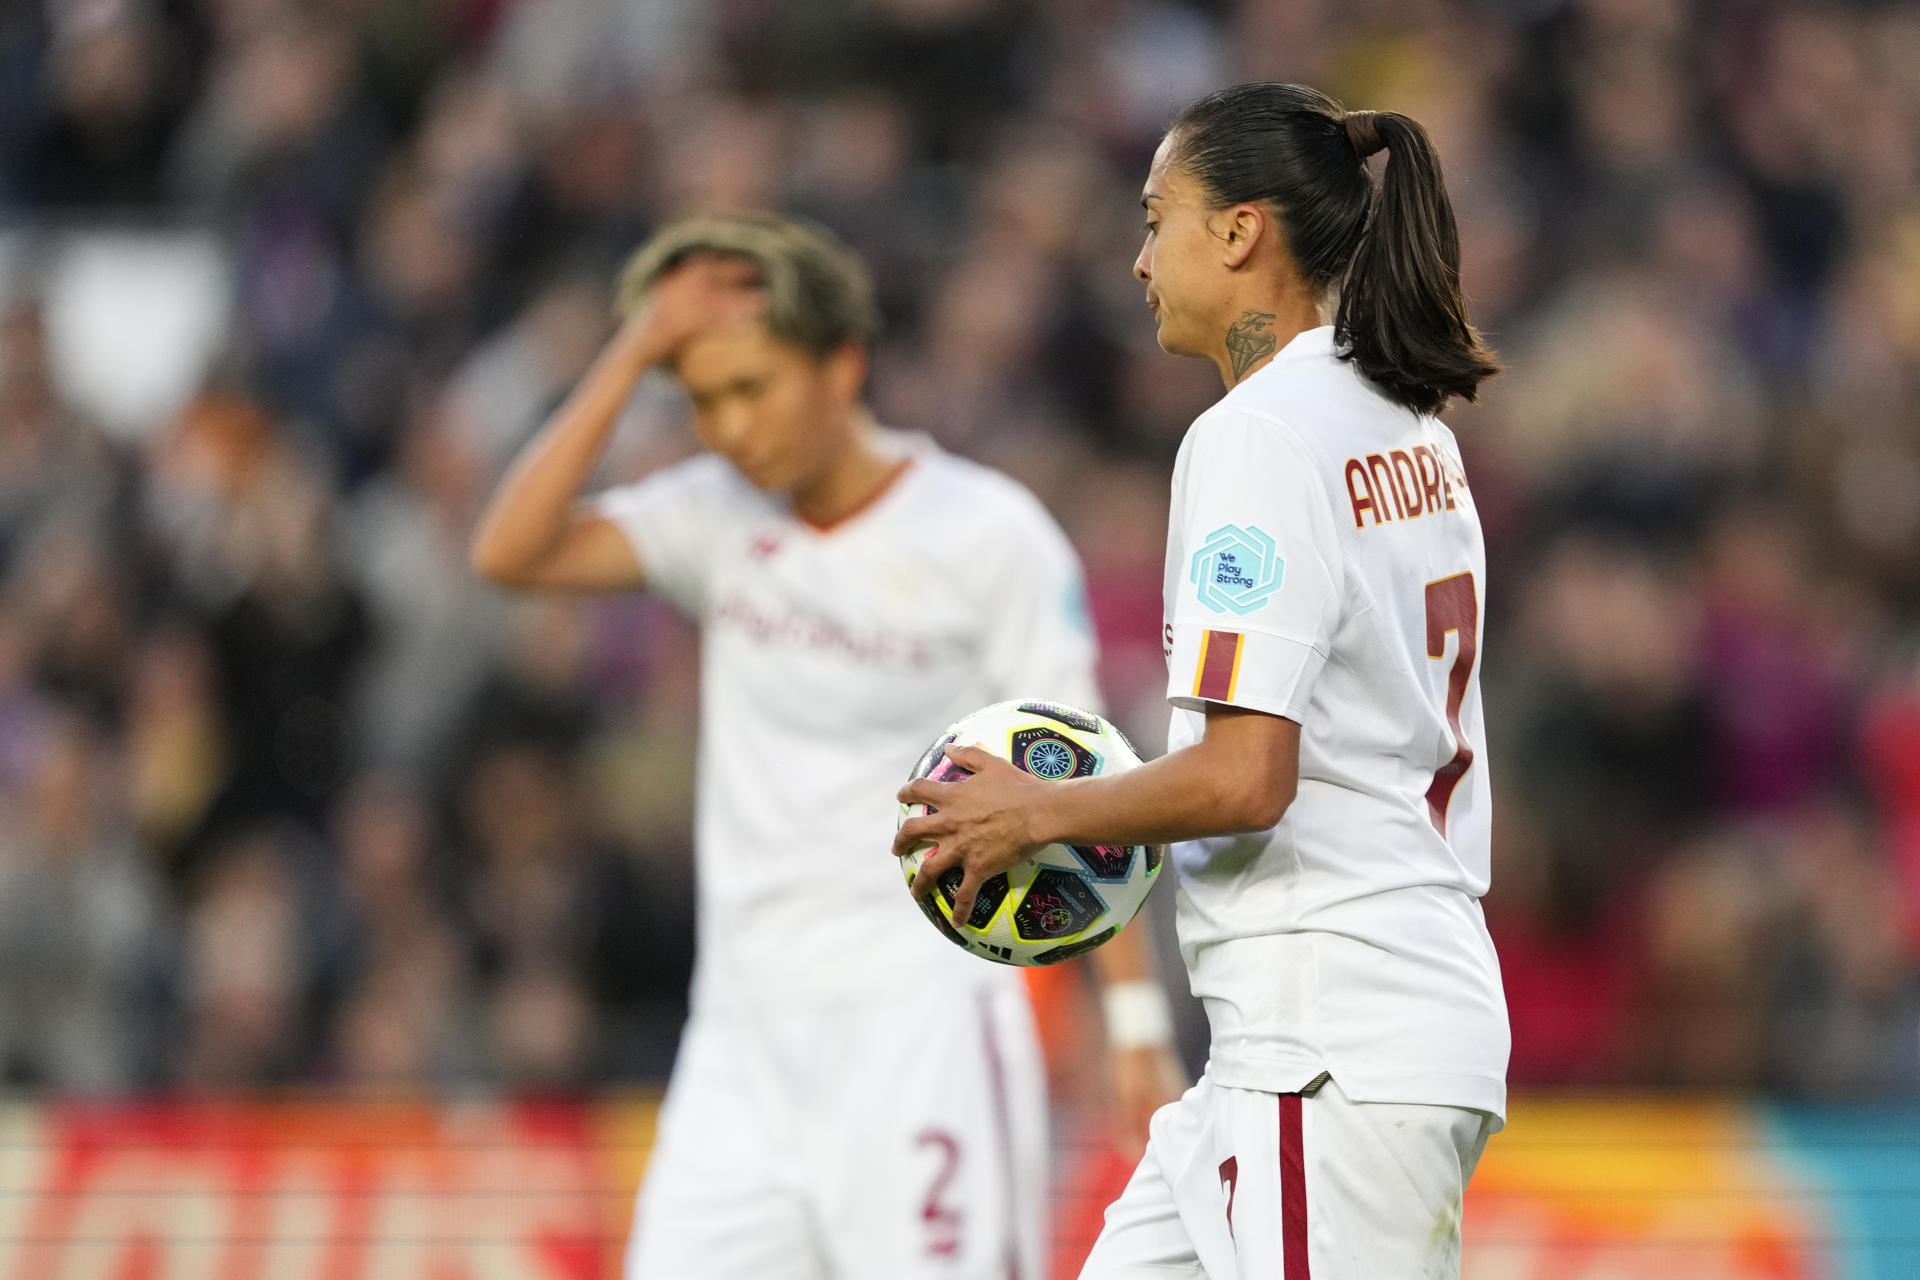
(1362, 133)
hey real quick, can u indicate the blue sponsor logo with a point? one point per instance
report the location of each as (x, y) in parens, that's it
(1236, 570)
(1073, 603)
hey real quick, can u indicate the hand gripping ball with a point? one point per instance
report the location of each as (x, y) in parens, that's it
(1064, 900)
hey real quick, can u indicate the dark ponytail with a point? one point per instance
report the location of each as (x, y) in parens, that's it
(1394, 255)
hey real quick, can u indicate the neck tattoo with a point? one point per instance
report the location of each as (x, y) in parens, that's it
(1250, 341)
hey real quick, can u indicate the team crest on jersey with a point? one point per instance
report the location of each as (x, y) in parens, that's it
(1237, 569)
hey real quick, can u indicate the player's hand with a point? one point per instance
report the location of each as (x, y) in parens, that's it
(982, 824)
(705, 292)
(1144, 1080)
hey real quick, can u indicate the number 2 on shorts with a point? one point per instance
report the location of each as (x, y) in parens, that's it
(941, 1221)
(1453, 604)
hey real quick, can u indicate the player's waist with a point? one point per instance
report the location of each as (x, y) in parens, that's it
(1423, 1025)
(1428, 928)
(735, 977)
(1316, 986)
(812, 936)
(773, 862)
(1265, 884)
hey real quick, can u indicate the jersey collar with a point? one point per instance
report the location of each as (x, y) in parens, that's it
(886, 490)
(1308, 344)
(1317, 341)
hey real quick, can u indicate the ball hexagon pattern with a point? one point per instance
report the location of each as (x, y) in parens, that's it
(1063, 900)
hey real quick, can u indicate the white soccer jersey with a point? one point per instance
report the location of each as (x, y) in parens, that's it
(830, 659)
(1324, 563)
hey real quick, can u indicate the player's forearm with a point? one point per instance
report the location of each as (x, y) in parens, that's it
(1125, 959)
(531, 508)
(1184, 795)
(1133, 1004)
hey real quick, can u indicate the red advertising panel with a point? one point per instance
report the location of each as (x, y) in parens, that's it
(288, 1191)
(1605, 1190)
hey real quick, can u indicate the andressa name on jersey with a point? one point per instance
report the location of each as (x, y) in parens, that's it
(1402, 485)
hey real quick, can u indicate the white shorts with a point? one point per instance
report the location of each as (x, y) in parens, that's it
(888, 1140)
(1238, 1184)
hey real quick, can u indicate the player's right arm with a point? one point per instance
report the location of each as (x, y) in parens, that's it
(536, 532)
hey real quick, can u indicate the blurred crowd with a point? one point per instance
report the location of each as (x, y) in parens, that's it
(287, 796)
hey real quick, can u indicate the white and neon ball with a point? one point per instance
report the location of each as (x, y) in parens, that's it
(1064, 900)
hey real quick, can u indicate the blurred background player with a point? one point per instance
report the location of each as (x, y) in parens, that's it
(1326, 770)
(853, 1097)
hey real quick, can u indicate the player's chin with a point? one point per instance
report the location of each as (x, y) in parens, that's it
(1172, 340)
(766, 476)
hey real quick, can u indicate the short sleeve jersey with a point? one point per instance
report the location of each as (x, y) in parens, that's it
(830, 659)
(1324, 563)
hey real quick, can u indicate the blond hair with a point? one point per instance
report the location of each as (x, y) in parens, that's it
(819, 296)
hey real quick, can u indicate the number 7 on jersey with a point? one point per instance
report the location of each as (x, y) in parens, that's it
(1453, 604)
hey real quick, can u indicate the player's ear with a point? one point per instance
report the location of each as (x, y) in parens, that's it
(846, 370)
(1244, 226)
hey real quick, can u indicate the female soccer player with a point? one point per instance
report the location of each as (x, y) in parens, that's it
(855, 1098)
(1326, 773)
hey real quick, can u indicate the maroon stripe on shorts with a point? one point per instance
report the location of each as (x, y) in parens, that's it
(1003, 1124)
(1293, 1191)
(1220, 653)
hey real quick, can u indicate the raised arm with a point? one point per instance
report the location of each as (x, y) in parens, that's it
(536, 532)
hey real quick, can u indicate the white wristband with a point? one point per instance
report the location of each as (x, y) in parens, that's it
(1138, 1015)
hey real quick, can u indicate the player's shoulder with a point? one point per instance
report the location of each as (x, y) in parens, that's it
(1311, 401)
(1443, 435)
(701, 476)
(972, 489)
(704, 487)
(709, 473)
(1239, 432)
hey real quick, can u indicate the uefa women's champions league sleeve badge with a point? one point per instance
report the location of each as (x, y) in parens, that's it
(1236, 570)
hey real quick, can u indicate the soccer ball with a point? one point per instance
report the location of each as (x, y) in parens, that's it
(1064, 900)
